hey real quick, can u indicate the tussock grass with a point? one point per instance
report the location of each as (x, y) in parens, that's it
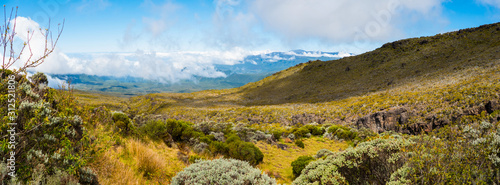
(136, 162)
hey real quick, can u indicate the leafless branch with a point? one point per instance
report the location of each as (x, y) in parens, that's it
(8, 34)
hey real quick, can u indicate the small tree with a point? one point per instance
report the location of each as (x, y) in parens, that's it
(7, 43)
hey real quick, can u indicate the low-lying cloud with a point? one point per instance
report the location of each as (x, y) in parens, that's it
(165, 67)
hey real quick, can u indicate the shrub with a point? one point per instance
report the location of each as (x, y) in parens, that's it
(221, 171)
(39, 78)
(218, 147)
(123, 123)
(277, 134)
(155, 130)
(195, 158)
(323, 153)
(206, 139)
(88, 176)
(233, 138)
(370, 162)
(343, 132)
(299, 143)
(219, 136)
(245, 151)
(180, 130)
(300, 163)
(200, 147)
(53, 134)
(315, 130)
(469, 155)
(301, 132)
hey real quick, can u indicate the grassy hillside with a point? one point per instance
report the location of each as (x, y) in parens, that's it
(446, 86)
(427, 75)
(392, 65)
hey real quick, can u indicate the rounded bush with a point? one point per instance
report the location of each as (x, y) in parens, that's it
(221, 171)
(245, 151)
(122, 122)
(343, 132)
(371, 162)
(277, 134)
(301, 132)
(299, 143)
(300, 163)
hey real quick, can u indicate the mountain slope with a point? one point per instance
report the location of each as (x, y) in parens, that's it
(391, 65)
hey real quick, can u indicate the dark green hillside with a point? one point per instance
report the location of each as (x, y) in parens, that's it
(391, 65)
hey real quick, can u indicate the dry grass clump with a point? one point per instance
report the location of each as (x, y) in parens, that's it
(136, 162)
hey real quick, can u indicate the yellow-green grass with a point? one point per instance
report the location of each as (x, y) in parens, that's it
(277, 162)
(138, 162)
(97, 99)
(426, 95)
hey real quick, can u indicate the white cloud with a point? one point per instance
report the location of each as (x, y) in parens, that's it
(165, 67)
(495, 3)
(344, 21)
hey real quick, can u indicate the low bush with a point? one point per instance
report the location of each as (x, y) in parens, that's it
(371, 162)
(277, 134)
(155, 130)
(218, 147)
(300, 163)
(343, 132)
(181, 130)
(301, 132)
(195, 158)
(123, 123)
(470, 154)
(299, 143)
(315, 130)
(245, 151)
(221, 171)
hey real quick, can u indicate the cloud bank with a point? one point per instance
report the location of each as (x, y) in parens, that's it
(344, 21)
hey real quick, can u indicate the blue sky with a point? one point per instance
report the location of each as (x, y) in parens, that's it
(204, 25)
(160, 39)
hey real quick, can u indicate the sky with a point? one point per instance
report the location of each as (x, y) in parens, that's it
(170, 35)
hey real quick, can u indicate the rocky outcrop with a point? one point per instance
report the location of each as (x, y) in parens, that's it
(397, 119)
(384, 120)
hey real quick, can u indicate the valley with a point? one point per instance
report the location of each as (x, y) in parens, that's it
(414, 111)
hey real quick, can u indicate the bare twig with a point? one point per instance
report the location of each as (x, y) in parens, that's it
(7, 38)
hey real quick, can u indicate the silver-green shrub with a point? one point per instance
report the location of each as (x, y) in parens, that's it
(370, 162)
(221, 171)
(323, 153)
